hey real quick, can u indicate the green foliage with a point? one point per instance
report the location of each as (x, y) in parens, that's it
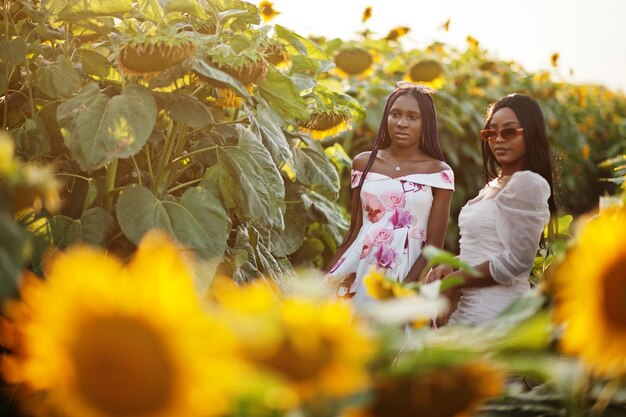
(205, 148)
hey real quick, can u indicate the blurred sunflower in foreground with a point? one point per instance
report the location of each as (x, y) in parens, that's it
(315, 350)
(99, 338)
(589, 288)
(445, 390)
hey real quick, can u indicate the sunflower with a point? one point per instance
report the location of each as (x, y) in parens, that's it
(440, 391)
(326, 123)
(354, 61)
(589, 288)
(428, 72)
(107, 339)
(147, 55)
(314, 348)
(267, 11)
(383, 288)
(330, 113)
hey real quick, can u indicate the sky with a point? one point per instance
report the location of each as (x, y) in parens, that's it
(590, 36)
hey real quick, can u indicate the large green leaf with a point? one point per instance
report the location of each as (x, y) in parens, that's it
(269, 125)
(83, 9)
(196, 219)
(327, 213)
(188, 110)
(289, 240)
(261, 191)
(315, 170)
(98, 129)
(98, 66)
(59, 79)
(151, 10)
(282, 95)
(32, 138)
(302, 45)
(91, 228)
(13, 52)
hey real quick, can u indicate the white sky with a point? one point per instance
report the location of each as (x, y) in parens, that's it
(589, 35)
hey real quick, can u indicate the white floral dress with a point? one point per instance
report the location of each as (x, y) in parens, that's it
(395, 219)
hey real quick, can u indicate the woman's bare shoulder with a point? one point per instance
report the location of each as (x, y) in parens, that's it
(360, 161)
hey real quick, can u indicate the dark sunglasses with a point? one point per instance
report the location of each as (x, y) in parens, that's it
(507, 133)
(406, 85)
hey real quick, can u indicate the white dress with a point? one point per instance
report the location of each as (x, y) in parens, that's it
(502, 225)
(395, 219)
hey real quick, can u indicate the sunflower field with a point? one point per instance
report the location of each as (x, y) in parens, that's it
(174, 174)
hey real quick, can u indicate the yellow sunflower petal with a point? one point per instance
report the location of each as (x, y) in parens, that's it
(590, 295)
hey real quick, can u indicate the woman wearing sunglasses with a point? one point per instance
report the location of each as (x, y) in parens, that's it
(401, 197)
(502, 227)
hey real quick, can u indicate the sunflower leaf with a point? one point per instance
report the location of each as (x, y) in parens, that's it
(289, 240)
(261, 195)
(12, 243)
(91, 228)
(58, 80)
(196, 219)
(188, 110)
(98, 129)
(282, 95)
(315, 170)
(327, 213)
(269, 125)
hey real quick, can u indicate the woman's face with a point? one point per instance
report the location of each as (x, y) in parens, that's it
(404, 122)
(511, 153)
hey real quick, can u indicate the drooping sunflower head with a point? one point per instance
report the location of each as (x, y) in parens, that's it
(240, 55)
(428, 72)
(107, 339)
(330, 113)
(589, 288)
(453, 390)
(148, 54)
(354, 61)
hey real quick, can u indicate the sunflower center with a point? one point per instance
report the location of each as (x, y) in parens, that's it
(299, 365)
(614, 292)
(122, 366)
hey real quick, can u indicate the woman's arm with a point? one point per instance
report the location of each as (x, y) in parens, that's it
(436, 229)
(349, 239)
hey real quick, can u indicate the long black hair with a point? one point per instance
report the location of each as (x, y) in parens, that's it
(429, 143)
(538, 153)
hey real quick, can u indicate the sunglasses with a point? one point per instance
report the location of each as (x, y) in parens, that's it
(507, 133)
(407, 85)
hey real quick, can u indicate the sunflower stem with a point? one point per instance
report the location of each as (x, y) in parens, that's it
(162, 169)
(185, 184)
(111, 170)
(197, 151)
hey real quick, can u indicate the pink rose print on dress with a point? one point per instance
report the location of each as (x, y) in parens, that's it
(446, 176)
(417, 233)
(386, 256)
(356, 178)
(392, 199)
(380, 235)
(367, 248)
(373, 207)
(411, 187)
(401, 217)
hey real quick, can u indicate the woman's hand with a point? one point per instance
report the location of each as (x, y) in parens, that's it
(438, 272)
